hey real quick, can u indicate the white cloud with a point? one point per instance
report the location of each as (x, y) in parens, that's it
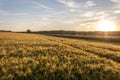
(116, 5)
(117, 11)
(45, 18)
(41, 5)
(90, 4)
(116, 1)
(6, 13)
(88, 14)
(72, 10)
(68, 3)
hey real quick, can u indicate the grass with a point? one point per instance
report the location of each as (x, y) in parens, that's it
(39, 57)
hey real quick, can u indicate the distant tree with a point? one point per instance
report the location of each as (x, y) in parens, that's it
(5, 31)
(29, 31)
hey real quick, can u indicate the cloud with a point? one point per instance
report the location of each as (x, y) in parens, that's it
(41, 5)
(68, 3)
(90, 4)
(88, 14)
(117, 4)
(116, 1)
(117, 11)
(45, 17)
(6, 13)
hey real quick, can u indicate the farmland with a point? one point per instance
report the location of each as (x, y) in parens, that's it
(111, 36)
(40, 57)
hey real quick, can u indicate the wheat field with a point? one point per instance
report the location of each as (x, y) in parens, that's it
(39, 57)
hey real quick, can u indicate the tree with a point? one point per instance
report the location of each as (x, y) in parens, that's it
(28, 31)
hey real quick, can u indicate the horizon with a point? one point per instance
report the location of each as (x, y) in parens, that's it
(67, 15)
(57, 31)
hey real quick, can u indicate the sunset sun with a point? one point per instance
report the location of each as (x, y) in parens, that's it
(105, 25)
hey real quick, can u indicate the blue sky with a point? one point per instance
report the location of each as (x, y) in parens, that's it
(80, 15)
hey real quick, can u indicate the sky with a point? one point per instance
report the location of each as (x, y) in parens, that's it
(75, 15)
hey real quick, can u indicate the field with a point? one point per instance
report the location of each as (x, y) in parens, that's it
(39, 57)
(111, 36)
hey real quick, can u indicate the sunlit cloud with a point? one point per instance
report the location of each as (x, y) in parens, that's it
(88, 14)
(68, 3)
(117, 11)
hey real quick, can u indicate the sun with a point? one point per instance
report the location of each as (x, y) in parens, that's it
(105, 25)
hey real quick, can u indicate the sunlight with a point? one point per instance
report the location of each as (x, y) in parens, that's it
(105, 25)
